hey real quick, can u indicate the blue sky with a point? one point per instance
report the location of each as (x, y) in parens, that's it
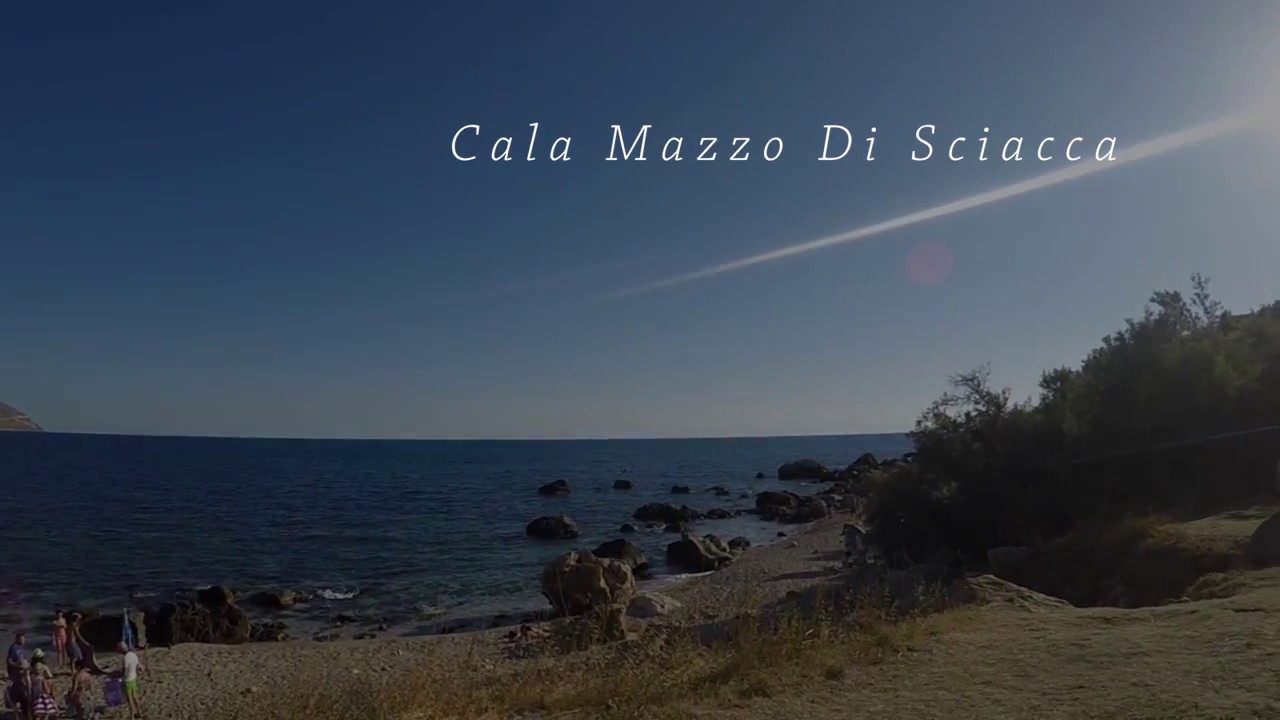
(232, 219)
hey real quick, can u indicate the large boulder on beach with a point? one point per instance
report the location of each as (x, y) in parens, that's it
(665, 513)
(556, 487)
(104, 631)
(772, 504)
(810, 509)
(605, 624)
(577, 583)
(860, 468)
(1264, 544)
(268, 632)
(695, 554)
(652, 604)
(789, 507)
(186, 622)
(626, 551)
(553, 527)
(806, 469)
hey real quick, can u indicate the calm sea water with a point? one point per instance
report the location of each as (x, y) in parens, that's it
(407, 533)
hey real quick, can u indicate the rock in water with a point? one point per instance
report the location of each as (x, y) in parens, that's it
(215, 596)
(621, 484)
(553, 527)
(806, 469)
(274, 599)
(627, 528)
(184, 622)
(679, 489)
(651, 604)
(697, 555)
(626, 551)
(558, 487)
(866, 461)
(1264, 544)
(577, 583)
(665, 513)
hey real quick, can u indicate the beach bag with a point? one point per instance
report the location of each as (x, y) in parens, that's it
(113, 693)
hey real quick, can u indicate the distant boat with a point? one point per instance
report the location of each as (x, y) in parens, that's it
(11, 418)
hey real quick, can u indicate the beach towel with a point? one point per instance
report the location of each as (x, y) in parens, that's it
(113, 692)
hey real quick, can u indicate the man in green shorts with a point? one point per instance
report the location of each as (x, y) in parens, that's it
(129, 677)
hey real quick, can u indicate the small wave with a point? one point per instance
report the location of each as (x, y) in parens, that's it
(427, 611)
(328, 594)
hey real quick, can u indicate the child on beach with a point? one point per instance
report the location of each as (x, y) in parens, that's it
(60, 639)
(78, 695)
(40, 664)
(43, 706)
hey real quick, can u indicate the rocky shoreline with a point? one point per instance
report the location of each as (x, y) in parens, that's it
(220, 615)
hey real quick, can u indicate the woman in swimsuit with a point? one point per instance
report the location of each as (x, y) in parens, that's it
(60, 639)
(74, 653)
(80, 649)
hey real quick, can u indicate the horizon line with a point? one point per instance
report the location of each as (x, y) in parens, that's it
(178, 436)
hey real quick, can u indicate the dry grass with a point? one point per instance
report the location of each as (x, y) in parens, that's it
(664, 672)
(1139, 562)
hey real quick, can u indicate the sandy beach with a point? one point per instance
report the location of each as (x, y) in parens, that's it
(1015, 654)
(201, 682)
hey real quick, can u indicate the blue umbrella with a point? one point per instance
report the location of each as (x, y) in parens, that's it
(126, 632)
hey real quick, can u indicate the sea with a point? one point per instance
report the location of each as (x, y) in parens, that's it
(406, 536)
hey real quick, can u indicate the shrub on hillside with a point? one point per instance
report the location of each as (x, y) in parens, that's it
(990, 471)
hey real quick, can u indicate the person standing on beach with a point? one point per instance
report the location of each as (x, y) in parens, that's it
(77, 696)
(74, 653)
(43, 706)
(19, 679)
(79, 649)
(130, 667)
(60, 640)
